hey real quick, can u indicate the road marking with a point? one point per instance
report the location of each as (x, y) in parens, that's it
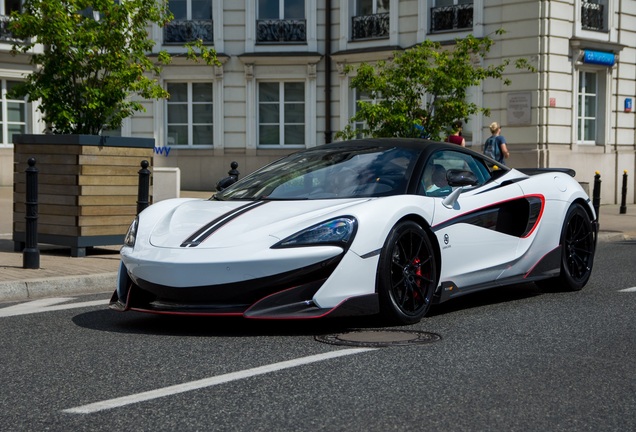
(47, 305)
(632, 289)
(209, 382)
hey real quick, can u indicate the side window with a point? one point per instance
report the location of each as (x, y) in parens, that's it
(281, 114)
(190, 113)
(371, 20)
(588, 108)
(594, 14)
(192, 21)
(434, 181)
(451, 15)
(13, 114)
(281, 21)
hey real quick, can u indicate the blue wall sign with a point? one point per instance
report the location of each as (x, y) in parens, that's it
(628, 104)
(599, 58)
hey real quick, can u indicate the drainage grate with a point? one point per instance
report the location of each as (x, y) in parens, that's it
(379, 338)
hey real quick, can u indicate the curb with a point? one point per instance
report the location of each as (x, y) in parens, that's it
(31, 289)
(57, 286)
(613, 236)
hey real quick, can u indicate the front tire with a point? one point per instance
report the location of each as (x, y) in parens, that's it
(407, 274)
(578, 245)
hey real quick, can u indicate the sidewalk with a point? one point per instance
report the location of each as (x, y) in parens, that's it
(61, 275)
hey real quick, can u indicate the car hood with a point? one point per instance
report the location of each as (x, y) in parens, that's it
(208, 224)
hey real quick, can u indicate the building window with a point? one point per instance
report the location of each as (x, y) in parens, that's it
(6, 7)
(192, 21)
(281, 21)
(371, 20)
(190, 114)
(281, 114)
(594, 15)
(451, 15)
(587, 107)
(357, 97)
(112, 132)
(12, 114)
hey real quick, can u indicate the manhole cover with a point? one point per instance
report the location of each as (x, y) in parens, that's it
(379, 338)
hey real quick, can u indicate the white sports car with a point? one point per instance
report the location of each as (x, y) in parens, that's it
(370, 226)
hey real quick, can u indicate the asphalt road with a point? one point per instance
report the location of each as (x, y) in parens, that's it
(509, 359)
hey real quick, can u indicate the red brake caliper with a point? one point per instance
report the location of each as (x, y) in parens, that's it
(418, 272)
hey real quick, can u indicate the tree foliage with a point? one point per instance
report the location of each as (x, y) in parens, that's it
(424, 85)
(91, 57)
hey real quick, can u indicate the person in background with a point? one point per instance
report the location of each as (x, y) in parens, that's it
(435, 181)
(420, 126)
(456, 136)
(496, 146)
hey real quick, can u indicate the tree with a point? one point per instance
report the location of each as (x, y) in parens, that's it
(425, 85)
(91, 59)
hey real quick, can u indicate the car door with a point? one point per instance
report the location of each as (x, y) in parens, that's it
(476, 246)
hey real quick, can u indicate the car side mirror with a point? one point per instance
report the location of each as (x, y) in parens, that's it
(459, 178)
(226, 182)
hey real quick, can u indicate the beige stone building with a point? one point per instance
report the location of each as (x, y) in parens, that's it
(282, 87)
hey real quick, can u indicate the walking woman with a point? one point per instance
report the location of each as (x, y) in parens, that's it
(456, 136)
(495, 146)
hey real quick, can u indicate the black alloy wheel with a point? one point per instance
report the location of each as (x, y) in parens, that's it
(407, 274)
(578, 244)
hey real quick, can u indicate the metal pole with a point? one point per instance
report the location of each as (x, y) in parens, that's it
(31, 253)
(143, 194)
(596, 194)
(623, 208)
(234, 172)
(328, 85)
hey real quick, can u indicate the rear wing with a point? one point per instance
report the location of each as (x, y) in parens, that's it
(535, 171)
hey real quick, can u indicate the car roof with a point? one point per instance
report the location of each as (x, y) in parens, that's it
(426, 146)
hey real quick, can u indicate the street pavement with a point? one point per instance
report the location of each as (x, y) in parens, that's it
(62, 275)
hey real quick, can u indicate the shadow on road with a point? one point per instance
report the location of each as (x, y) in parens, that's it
(140, 323)
(487, 297)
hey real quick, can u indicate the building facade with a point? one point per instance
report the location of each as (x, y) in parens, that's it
(282, 86)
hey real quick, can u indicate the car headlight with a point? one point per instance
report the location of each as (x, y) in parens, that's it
(131, 235)
(339, 231)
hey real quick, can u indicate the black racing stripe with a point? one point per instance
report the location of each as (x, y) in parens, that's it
(207, 230)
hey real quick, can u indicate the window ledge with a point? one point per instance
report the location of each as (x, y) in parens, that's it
(365, 54)
(270, 147)
(280, 58)
(191, 147)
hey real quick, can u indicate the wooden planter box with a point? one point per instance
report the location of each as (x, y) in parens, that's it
(87, 188)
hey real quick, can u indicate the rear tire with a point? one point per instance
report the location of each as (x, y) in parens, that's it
(577, 252)
(407, 274)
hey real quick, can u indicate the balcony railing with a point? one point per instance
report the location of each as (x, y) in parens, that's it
(281, 31)
(181, 31)
(457, 17)
(374, 26)
(592, 16)
(5, 34)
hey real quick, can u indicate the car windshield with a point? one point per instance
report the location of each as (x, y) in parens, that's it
(327, 173)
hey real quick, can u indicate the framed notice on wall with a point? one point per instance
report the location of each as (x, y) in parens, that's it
(519, 108)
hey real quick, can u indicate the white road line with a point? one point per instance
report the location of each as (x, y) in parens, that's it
(46, 305)
(209, 382)
(632, 289)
